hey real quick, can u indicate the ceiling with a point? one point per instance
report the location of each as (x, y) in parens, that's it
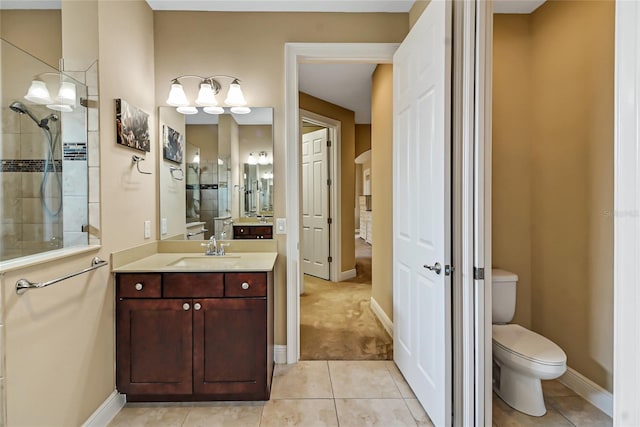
(397, 6)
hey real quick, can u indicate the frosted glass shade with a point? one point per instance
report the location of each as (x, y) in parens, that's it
(187, 110)
(252, 160)
(262, 158)
(213, 110)
(235, 98)
(206, 97)
(60, 107)
(38, 93)
(240, 110)
(67, 94)
(177, 97)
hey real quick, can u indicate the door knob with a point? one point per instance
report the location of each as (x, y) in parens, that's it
(437, 268)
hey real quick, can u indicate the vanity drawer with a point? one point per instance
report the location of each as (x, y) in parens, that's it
(255, 283)
(193, 285)
(139, 285)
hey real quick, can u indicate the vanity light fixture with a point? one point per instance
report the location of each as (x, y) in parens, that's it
(252, 159)
(209, 87)
(262, 158)
(38, 93)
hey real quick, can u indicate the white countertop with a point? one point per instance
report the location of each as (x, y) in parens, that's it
(197, 262)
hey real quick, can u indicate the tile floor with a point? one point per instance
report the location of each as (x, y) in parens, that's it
(564, 408)
(347, 394)
(310, 393)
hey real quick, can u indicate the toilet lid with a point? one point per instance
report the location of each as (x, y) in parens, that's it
(527, 344)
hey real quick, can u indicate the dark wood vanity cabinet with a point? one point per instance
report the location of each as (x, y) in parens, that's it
(179, 346)
(252, 231)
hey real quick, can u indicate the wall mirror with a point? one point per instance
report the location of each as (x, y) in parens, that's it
(224, 178)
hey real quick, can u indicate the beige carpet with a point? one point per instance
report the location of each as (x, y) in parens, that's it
(336, 321)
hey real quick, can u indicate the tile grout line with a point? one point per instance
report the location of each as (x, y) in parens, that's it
(333, 395)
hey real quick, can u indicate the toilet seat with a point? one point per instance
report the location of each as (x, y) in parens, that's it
(523, 343)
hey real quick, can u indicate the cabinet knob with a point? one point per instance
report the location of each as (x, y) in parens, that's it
(185, 306)
(245, 285)
(197, 306)
(139, 286)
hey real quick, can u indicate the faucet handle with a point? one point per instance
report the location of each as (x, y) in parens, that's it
(222, 246)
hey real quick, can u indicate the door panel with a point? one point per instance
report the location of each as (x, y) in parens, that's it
(422, 228)
(315, 202)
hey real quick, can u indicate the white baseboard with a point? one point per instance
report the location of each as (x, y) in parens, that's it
(346, 275)
(590, 391)
(280, 354)
(105, 412)
(382, 316)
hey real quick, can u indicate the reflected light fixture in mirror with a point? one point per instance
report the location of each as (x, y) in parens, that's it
(262, 158)
(209, 87)
(251, 160)
(38, 92)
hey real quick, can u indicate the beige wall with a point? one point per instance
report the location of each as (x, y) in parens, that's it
(347, 171)
(172, 199)
(511, 172)
(382, 187)
(59, 342)
(571, 178)
(38, 32)
(251, 46)
(205, 137)
(416, 11)
(363, 138)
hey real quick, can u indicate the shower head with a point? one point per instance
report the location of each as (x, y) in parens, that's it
(20, 108)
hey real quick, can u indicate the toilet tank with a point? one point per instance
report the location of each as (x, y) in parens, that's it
(503, 295)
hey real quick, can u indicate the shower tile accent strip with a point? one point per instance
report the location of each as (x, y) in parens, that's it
(34, 165)
(74, 151)
(201, 186)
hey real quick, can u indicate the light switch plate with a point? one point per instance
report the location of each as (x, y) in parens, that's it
(281, 226)
(163, 225)
(147, 229)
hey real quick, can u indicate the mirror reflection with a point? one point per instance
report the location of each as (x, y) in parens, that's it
(228, 169)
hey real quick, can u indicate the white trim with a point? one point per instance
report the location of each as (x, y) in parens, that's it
(377, 53)
(387, 324)
(280, 354)
(102, 416)
(335, 165)
(348, 274)
(590, 391)
(626, 269)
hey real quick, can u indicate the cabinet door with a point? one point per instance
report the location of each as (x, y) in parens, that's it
(154, 346)
(229, 349)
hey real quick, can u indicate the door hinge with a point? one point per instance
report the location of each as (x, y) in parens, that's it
(478, 273)
(330, 259)
(328, 143)
(329, 221)
(329, 182)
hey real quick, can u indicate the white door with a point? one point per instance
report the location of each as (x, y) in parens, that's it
(315, 204)
(421, 214)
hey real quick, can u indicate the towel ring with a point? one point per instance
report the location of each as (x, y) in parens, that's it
(173, 169)
(137, 159)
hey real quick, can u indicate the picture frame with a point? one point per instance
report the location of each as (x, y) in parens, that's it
(132, 126)
(172, 144)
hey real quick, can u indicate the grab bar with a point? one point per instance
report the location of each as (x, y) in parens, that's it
(23, 285)
(191, 234)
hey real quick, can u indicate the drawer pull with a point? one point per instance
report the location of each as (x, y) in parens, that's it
(245, 285)
(197, 306)
(185, 306)
(139, 286)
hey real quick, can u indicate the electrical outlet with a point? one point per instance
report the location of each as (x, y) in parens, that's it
(163, 225)
(281, 226)
(147, 229)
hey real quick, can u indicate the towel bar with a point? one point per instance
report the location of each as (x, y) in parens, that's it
(23, 285)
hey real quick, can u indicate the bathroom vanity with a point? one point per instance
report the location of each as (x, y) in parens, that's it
(253, 231)
(191, 327)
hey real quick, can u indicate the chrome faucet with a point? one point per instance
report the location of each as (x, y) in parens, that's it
(212, 246)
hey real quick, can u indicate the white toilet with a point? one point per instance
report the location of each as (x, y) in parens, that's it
(521, 358)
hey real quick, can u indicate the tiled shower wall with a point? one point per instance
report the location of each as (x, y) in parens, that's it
(208, 196)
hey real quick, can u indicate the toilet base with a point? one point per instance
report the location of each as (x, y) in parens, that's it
(521, 392)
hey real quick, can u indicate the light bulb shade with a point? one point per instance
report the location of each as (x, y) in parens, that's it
(262, 158)
(213, 110)
(38, 93)
(252, 160)
(187, 110)
(235, 98)
(60, 107)
(177, 97)
(67, 94)
(240, 110)
(206, 97)
(196, 158)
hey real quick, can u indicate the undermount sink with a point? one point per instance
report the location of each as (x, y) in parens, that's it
(203, 261)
